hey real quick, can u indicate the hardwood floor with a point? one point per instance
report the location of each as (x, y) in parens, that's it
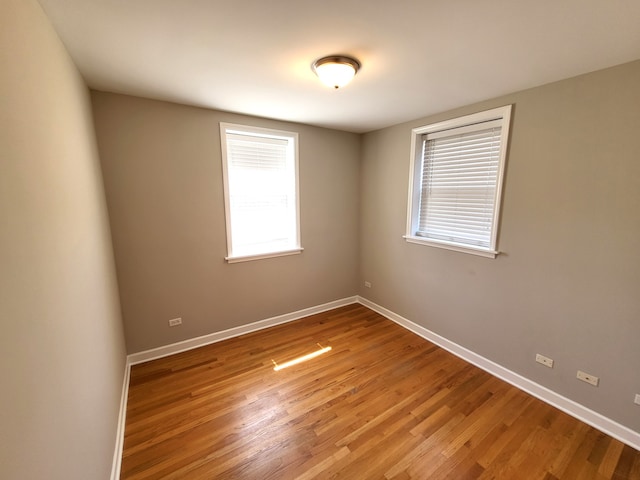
(382, 404)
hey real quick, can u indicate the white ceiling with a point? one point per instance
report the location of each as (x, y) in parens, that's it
(419, 57)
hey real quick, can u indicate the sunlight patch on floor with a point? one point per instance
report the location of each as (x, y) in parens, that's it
(304, 358)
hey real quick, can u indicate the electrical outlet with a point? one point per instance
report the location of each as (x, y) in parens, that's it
(175, 322)
(367, 284)
(546, 361)
(637, 399)
(585, 377)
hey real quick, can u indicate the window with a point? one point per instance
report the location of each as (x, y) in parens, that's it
(260, 172)
(456, 182)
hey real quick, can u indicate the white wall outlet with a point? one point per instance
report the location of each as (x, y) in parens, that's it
(586, 377)
(637, 399)
(546, 361)
(367, 284)
(174, 322)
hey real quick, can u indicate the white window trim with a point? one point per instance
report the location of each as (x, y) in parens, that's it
(247, 258)
(268, 133)
(500, 113)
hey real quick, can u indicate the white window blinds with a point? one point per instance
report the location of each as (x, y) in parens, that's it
(459, 178)
(455, 184)
(261, 194)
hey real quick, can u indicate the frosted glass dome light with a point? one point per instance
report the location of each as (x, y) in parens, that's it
(335, 71)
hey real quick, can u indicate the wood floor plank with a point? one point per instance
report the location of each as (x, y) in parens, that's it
(383, 403)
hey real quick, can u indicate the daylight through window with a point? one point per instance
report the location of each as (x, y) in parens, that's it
(261, 192)
(456, 182)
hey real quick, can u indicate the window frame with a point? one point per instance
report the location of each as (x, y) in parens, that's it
(503, 114)
(251, 131)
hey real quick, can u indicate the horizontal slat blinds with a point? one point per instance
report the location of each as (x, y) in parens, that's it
(256, 152)
(262, 203)
(458, 188)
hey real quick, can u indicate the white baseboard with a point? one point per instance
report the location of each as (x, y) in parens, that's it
(582, 413)
(122, 417)
(185, 345)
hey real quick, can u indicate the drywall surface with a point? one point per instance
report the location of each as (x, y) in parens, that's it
(567, 282)
(62, 351)
(163, 178)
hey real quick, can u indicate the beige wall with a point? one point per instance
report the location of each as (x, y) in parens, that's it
(62, 349)
(163, 177)
(568, 282)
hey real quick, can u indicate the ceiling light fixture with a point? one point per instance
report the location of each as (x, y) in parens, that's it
(335, 70)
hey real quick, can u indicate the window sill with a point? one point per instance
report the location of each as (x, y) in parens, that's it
(260, 256)
(452, 246)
